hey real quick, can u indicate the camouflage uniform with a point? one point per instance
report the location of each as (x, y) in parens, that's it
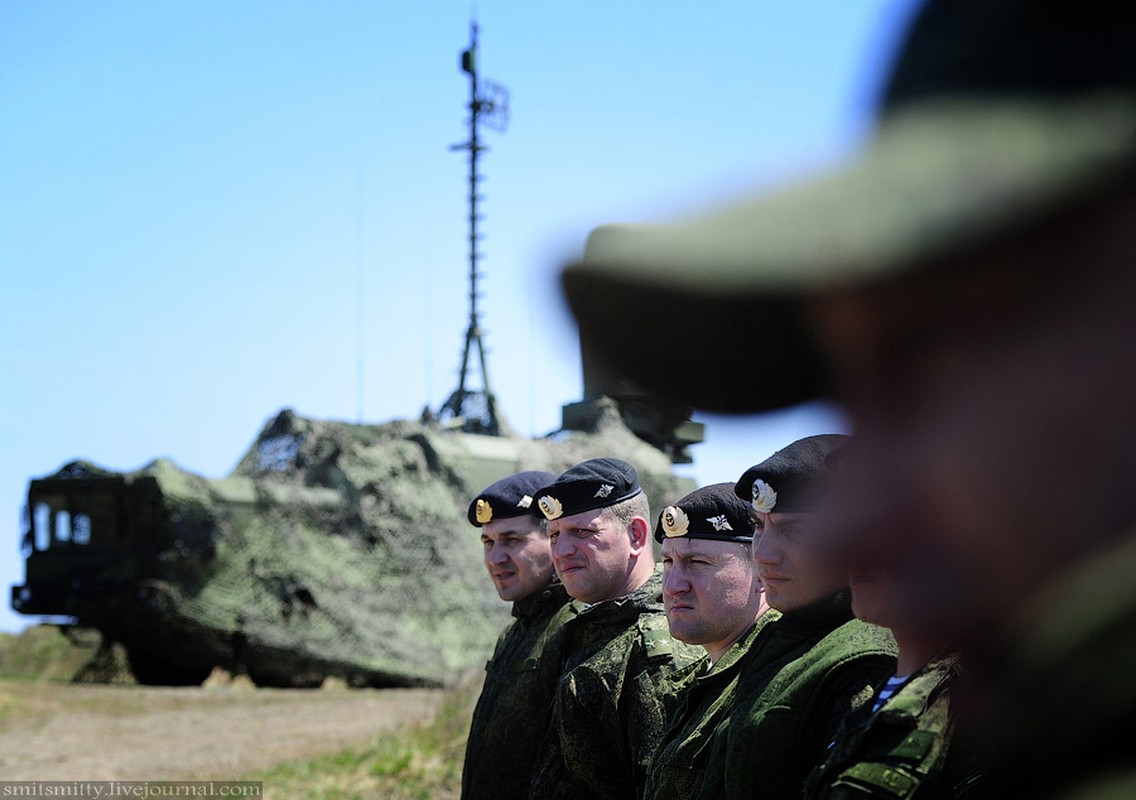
(1055, 714)
(613, 698)
(704, 703)
(799, 679)
(512, 712)
(901, 750)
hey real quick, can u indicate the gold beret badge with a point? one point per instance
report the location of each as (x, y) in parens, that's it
(675, 522)
(550, 507)
(483, 511)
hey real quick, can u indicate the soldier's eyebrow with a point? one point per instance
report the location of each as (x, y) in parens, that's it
(692, 551)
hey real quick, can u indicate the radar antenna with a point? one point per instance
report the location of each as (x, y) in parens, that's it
(476, 411)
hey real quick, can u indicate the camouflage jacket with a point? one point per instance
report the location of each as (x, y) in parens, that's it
(802, 676)
(703, 704)
(613, 697)
(899, 751)
(512, 712)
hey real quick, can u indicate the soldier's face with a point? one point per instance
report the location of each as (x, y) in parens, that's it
(874, 596)
(592, 555)
(793, 562)
(710, 592)
(517, 556)
(994, 420)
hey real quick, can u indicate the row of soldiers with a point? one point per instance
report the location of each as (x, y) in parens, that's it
(964, 285)
(753, 663)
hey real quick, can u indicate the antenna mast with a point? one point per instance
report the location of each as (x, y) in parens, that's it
(476, 411)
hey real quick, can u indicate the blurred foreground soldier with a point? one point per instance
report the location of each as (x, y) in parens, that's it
(520, 680)
(614, 695)
(812, 666)
(712, 598)
(966, 287)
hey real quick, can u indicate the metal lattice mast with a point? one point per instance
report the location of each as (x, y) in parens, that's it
(488, 105)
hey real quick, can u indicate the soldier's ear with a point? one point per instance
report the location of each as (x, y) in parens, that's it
(640, 533)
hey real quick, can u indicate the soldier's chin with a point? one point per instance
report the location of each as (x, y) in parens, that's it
(684, 630)
(579, 587)
(506, 590)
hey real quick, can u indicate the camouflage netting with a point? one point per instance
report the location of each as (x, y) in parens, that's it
(343, 549)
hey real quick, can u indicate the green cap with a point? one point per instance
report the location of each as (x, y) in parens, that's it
(998, 115)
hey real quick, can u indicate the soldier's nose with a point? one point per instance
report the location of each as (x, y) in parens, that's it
(673, 582)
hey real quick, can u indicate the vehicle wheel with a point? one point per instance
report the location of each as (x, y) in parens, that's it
(276, 680)
(151, 669)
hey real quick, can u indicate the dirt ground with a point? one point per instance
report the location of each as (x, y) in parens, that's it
(73, 732)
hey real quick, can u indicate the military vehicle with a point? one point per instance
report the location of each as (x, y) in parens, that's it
(333, 549)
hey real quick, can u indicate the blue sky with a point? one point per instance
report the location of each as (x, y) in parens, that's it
(215, 210)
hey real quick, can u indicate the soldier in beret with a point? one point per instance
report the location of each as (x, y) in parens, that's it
(970, 301)
(712, 598)
(512, 712)
(814, 664)
(614, 693)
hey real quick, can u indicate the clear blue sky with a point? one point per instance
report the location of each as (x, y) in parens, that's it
(214, 210)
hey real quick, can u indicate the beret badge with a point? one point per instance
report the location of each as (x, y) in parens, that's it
(720, 523)
(525, 501)
(675, 522)
(764, 498)
(550, 507)
(483, 511)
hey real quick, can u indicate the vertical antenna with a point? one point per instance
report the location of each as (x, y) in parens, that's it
(476, 411)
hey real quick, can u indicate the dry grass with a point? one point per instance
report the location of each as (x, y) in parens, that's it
(411, 762)
(421, 762)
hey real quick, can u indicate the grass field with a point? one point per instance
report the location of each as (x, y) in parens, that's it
(41, 653)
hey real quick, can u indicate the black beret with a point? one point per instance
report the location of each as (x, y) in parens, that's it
(597, 483)
(508, 497)
(712, 512)
(786, 481)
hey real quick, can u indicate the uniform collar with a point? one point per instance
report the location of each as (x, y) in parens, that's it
(552, 595)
